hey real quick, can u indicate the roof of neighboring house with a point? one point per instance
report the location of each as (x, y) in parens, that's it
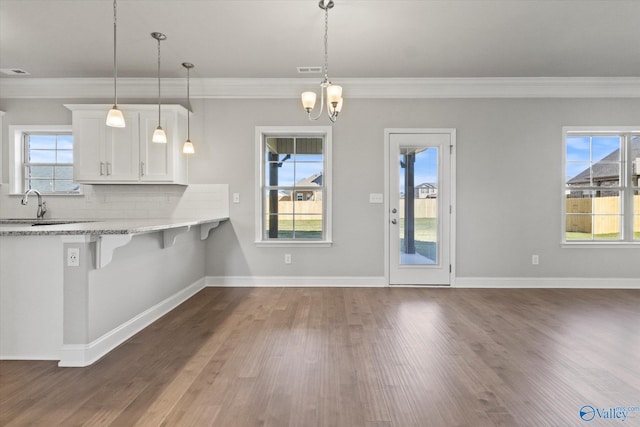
(428, 185)
(605, 169)
(312, 181)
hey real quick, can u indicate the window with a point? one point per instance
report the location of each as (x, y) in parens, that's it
(294, 185)
(601, 185)
(42, 159)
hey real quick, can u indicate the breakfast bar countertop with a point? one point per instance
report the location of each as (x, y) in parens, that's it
(61, 227)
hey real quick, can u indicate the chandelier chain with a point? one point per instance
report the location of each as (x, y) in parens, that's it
(326, 43)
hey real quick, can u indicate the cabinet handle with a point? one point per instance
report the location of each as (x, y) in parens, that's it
(108, 168)
(101, 168)
(141, 168)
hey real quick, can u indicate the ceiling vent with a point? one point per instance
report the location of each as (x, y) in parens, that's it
(14, 72)
(310, 70)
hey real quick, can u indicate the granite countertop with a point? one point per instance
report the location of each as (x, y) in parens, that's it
(61, 227)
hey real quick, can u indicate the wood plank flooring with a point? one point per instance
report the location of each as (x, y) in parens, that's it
(374, 357)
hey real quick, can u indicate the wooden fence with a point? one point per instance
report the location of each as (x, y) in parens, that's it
(305, 209)
(579, 212)
(605, 212)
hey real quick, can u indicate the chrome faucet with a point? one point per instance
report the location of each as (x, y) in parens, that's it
(42, 206)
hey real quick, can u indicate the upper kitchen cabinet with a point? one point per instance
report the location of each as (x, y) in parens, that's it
(106, 155)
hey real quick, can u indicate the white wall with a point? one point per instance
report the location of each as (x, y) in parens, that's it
(509, 176)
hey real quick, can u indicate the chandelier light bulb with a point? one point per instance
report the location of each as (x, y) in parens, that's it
(308, 100)
(334, 94)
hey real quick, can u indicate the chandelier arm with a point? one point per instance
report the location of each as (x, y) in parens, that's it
(321, 104)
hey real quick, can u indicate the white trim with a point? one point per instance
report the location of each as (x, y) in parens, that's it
(627, 213)
(452, 196)
(79, 355)
(260, 133)
(296, 281)
(16, 134)
(270, 88)
(547, 282)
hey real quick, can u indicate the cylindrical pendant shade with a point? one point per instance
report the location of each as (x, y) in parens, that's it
(115, 118)
(159, 136)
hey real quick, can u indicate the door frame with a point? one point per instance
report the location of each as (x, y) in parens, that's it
(452, 197)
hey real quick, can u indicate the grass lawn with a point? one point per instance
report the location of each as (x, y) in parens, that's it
(305, 229)
(426, 236)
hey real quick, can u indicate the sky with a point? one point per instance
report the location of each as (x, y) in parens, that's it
(583, 151)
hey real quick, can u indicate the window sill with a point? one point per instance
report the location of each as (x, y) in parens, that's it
(601, 245)
(291, 244)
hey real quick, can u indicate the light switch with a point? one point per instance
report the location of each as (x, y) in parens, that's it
(236, 197)
(376, 198)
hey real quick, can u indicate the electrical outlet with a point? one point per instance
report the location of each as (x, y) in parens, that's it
(535, 259)
(287, 258)
(73, 257)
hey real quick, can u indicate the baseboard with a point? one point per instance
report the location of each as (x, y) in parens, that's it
(79, 355)
(547, 282)
(297, 281)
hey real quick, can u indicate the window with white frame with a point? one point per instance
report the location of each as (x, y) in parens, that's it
(293, 180)
(601, 185)
(42, 159)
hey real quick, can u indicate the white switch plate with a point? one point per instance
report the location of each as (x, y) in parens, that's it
(287, 258)
(236, 197)
(535, 259)
(376, 198)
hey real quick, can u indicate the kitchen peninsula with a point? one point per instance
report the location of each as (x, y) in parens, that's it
(74, 290)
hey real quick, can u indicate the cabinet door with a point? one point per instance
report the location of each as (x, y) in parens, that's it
(89, 163)
(122, 154)
(156, 160)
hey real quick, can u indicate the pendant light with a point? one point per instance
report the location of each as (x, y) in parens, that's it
(333, 92)
(188, 148)
(159, 135)
(115, 118)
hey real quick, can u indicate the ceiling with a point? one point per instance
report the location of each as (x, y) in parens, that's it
(367, 38)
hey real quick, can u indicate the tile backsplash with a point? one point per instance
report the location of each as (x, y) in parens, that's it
(126, 201)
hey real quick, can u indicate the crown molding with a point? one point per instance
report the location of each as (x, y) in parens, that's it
(372, 88)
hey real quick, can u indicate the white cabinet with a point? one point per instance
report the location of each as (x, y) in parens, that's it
(107, 155)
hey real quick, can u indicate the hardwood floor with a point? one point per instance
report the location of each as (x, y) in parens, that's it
(352, 357)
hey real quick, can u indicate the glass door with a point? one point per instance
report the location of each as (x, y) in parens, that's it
(419, 194)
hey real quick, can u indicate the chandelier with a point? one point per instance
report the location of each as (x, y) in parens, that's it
(333, 92)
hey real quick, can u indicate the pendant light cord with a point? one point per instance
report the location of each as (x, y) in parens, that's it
(115, 52)
(159, 96)
(189, 107)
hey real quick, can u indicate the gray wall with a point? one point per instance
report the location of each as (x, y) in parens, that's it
(509, 178)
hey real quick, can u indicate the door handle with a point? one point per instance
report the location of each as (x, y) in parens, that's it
(393, 210)
(393, 221)
(101, 168)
